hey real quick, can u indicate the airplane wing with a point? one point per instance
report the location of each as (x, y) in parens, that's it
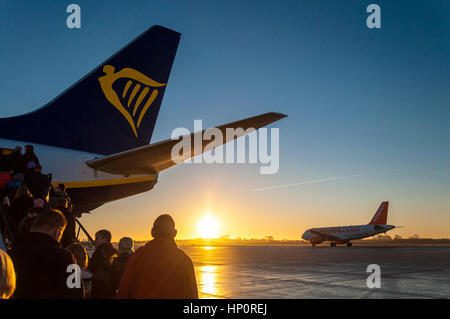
(325, 236)
(154, 158)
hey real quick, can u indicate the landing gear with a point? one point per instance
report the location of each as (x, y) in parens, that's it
(349, 244)
(333, 244)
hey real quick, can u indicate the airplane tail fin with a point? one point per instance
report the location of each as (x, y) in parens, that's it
(380, 217)
(113, 108)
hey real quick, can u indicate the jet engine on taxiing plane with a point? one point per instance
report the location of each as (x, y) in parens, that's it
(316, 240)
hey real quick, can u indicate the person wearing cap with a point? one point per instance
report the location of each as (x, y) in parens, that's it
(159, 270)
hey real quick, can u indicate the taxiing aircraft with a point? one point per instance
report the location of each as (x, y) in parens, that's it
(94, 137)
(343, 234)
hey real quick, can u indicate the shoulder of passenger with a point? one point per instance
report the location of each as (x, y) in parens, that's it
(182, 253)
(138, 251)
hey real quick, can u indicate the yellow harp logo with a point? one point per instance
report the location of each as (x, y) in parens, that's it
(129, 111)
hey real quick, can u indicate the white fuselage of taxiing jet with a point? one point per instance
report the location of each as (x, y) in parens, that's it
(344, 233)
(65, 165)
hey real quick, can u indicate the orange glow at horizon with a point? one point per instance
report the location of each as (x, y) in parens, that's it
(241, 212)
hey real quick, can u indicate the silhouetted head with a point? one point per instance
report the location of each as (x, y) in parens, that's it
(80, 254)
(126, 245)
(164, 226)
(51, 222)
(58, 203)
(60, 188)
(29, 149)
(7, 276)
(102, 236)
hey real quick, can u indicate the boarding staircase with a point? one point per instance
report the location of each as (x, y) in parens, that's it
(6, 233)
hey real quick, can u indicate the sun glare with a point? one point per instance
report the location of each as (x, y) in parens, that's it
(207, 227)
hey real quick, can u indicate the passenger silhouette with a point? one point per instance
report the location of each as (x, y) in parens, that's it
(125, 250)
(100, 266)
(61, 201)
(81, 258)
(29, 155)
(40, 262)
(159, 269)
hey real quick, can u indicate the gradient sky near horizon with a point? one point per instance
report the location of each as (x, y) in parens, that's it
(369, 109)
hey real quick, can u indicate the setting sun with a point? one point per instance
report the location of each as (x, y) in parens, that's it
(207, 227)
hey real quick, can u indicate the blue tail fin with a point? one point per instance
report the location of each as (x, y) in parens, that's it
(113, 108)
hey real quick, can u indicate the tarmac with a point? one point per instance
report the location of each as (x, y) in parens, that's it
(320, 272)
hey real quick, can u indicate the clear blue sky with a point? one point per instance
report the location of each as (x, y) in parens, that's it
(359, 100)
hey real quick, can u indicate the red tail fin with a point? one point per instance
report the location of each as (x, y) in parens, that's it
(380, 217)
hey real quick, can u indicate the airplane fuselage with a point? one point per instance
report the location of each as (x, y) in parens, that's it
(343, 234)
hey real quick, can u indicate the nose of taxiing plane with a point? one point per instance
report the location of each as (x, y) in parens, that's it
(306, 235)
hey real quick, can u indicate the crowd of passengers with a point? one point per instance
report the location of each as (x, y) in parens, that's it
(38, 226)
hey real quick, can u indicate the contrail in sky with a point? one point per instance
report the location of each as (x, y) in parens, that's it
(322, 180)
